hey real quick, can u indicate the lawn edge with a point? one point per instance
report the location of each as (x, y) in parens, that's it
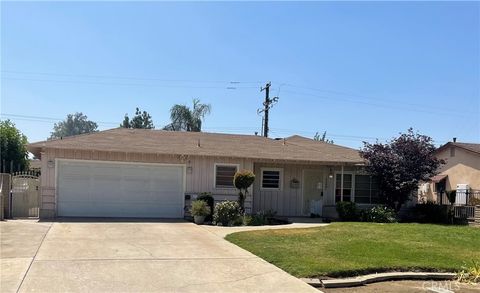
(374, 278)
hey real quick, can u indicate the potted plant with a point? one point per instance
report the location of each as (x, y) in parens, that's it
(294, 183)
(199, 211)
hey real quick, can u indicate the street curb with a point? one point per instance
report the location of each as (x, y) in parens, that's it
(372, 278)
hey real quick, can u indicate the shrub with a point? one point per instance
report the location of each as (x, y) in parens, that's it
(347, 211)
(200, 208)
(258, 220)
(474, 201)
(431, 213)
(226, 213)
(242, 180)
(208, 198)
(262, 218)
(378, 214)
(247, 220)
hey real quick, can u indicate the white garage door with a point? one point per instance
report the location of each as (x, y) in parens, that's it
(101, 189)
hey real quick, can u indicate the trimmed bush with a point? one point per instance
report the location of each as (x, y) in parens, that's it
(347, 211)
(379, 214)
(242, 180)
(208, 198)
(226, 213)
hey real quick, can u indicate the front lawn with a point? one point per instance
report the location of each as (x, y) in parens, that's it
(348, 249)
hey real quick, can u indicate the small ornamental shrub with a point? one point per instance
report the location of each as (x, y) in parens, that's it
(347, 211)
(242, 180)
(379, 214)
(208, 198)
(226, 213)
(247, 220)
(263, 218)
(200, 208)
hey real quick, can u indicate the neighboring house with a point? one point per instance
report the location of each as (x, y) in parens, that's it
(462, 168)
(150, 173)
(35, 165)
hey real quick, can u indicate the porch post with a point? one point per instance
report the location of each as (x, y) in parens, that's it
(341, 186)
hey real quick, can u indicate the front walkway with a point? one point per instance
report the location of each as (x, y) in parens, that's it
(131, 257)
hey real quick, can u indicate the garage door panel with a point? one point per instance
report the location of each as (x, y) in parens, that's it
(103, 189)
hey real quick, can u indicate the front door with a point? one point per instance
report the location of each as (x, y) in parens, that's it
(313, 190)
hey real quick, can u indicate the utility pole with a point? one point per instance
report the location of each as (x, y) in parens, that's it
(267, 105)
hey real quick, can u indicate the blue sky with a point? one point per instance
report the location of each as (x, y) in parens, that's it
(360, 71)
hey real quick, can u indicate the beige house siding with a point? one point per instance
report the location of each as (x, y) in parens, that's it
(200, 179)
(462, 168)
(289, 201)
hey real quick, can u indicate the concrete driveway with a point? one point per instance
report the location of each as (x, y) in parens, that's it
(131, 257)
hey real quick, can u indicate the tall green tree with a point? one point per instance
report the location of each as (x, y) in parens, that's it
(140, 120)
(185, 119)
(323, 137)
(74, 124)
(400, 165)
(13, 147)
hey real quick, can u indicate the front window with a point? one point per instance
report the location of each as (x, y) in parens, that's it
(346, 195)
(271, 179)
(366, 189)
(362, 189)
(224, 175)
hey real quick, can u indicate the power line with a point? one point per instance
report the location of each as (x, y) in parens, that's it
(130, 77)
(124, 84)
(247, 129)
(413, 109)
(48, 119)
(228, 86)
(372, 98)
(231, 85)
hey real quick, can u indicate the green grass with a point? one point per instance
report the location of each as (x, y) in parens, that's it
(349, 249)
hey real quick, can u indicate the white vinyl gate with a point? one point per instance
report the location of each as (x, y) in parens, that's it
(114, 189)
(25, 195)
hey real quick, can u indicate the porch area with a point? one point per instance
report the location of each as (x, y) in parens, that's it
(303, 190)
(466, 206)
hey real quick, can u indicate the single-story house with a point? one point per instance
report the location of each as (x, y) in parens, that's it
(461, 171)
(152, 173)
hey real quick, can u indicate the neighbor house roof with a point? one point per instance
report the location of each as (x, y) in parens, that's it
(294, 148)
(472, 147)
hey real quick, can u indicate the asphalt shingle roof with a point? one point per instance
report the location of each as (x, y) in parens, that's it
(474, 147)
(294, 148)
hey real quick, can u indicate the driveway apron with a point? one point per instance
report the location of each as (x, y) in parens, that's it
(138, 257)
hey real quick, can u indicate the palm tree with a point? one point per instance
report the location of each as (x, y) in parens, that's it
(186, 119)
